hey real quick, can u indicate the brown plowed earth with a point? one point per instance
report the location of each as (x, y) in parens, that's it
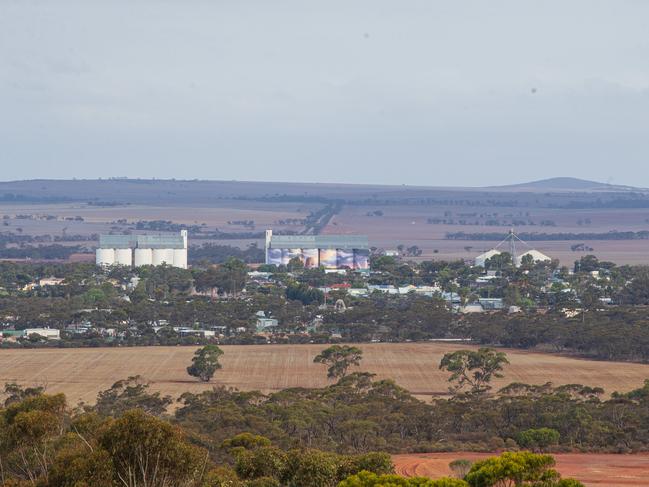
(81, 373)
(592, 469)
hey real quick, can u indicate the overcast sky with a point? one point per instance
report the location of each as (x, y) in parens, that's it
(401, 92)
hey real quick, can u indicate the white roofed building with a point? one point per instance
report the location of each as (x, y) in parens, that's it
(535, 254)
(482, 258)
(513, 241)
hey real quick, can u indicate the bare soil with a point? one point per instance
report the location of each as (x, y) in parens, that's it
(601, 470)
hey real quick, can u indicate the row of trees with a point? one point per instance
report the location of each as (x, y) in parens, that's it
(214, 439)
(167, 294)
(358, 414)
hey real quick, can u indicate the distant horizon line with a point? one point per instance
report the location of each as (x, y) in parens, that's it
(533, 183)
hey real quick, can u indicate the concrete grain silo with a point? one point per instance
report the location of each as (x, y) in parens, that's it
(163, 256)
(140, 250)
(105, 257)
(143, 257)
(124, 257)
(180, 258)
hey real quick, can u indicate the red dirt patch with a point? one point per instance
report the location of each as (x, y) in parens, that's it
(592, 469)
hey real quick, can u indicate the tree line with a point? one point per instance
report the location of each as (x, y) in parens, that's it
(334, 436)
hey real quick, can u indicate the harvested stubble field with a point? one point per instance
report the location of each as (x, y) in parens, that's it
(81, 373)
(592, 469)
(407, 224)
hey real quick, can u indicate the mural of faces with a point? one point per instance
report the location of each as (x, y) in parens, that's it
(274, 256)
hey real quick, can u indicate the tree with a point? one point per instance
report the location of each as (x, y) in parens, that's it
(474, 369)
(147, 451)
(128, 394)
(587, 263)
(368, 479)
(29, 430)
(15, 393)
(229, 277)
(223, 477)
(304, 293)
(232, 275)
(339, 358)
(312, 468)
(502, 261)
(517, 468)
(205, 362)
(460, 467)
(265, 461)
(538, 439)
(295, 264)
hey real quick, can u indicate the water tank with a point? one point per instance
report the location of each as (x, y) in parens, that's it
(124, 257)
(180, 258)
(105, 257)
(143, 257)
(163, 256)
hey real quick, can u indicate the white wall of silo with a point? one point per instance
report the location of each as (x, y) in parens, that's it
(105, 257)
(143, 257)
(163, 256)
(124, 257)
(180, 258)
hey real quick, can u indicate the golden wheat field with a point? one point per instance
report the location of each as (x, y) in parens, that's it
(81, 373)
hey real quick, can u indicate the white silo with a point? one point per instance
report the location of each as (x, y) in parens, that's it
(105, 257)
(180, 258)
(163, 256)
(124, 257)
(143, 257)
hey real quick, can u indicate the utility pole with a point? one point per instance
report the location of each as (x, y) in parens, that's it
(512, 245)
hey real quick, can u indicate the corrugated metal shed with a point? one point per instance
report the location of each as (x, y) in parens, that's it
(141, 241)
(319, 242)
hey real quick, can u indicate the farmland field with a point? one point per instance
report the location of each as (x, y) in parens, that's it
(81, 373)
(408, 225)
(388, 215)
(105, 219)
(592, 469)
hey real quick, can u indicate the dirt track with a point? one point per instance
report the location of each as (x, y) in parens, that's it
(81, 373)
(600, 470)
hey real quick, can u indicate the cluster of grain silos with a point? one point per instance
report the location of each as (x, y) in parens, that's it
(141, 250)
(328, 251)
(143, 257)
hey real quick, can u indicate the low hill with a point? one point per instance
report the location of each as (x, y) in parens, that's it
(212, 193)
(566, 184)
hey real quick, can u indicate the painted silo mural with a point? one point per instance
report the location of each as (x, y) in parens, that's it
(275, 256)
(310, 257)
(345, 258)
(361, 259)
(328, 258)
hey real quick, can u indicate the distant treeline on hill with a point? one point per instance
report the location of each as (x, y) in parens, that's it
(22, 198)
(166, 226)
(219, 235)
(612, 235)
(42, 252)
(635, 201)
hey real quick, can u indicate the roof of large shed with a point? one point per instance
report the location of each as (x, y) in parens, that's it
(319, 241)
(141, 241)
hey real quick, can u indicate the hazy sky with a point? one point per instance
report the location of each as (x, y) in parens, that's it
(416, 92)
